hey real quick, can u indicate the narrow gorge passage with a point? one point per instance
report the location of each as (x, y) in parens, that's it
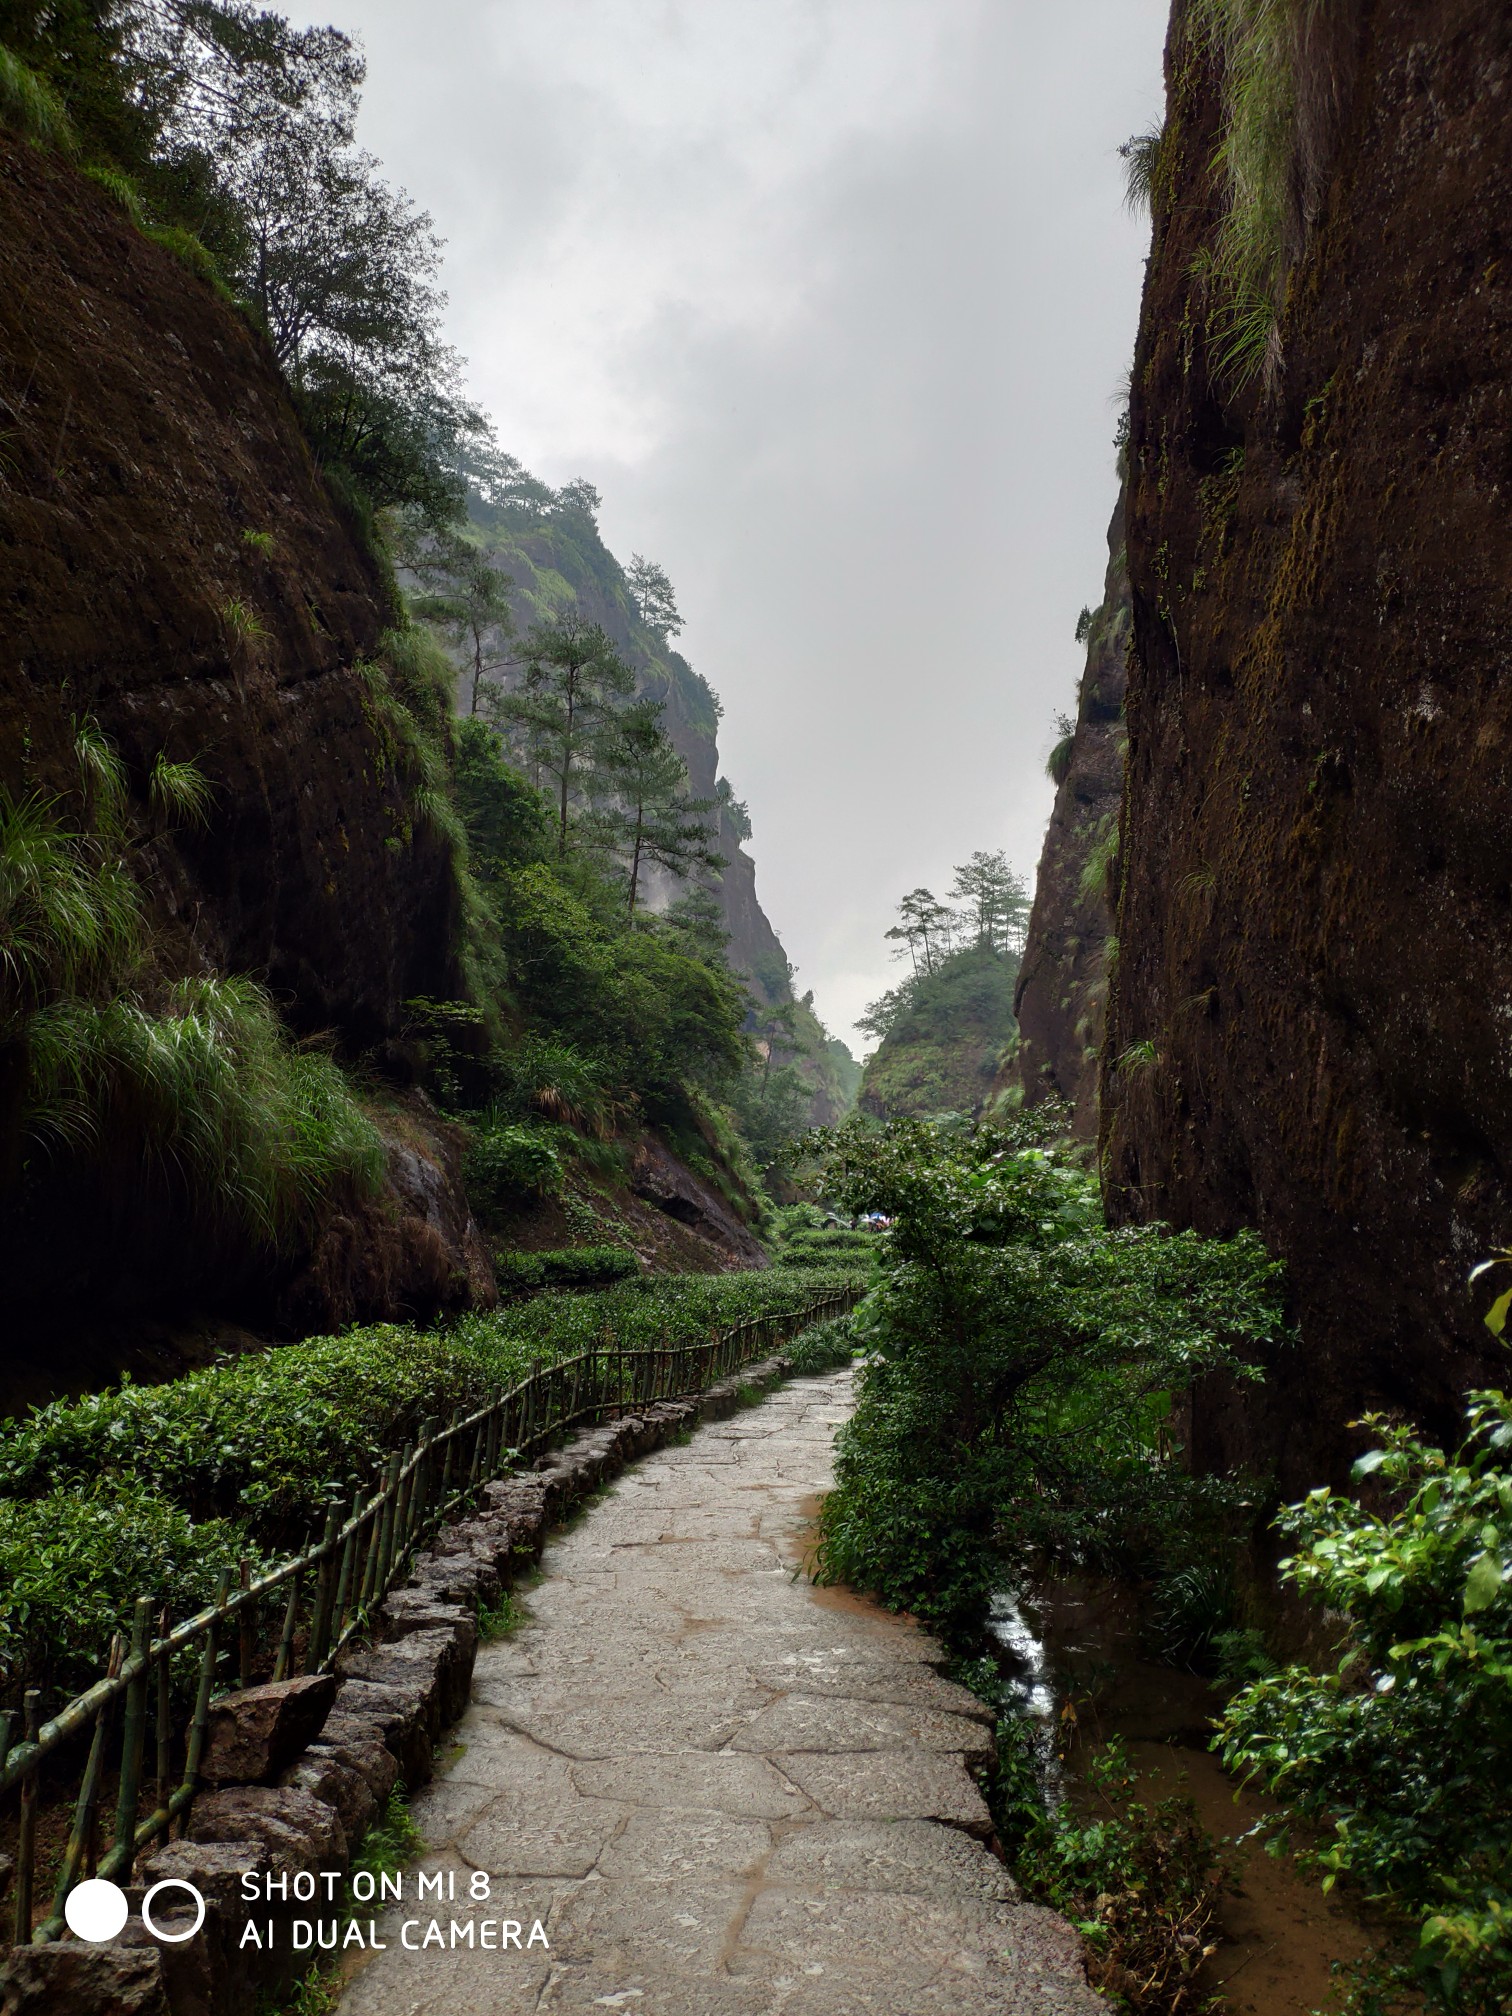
(724, 1792)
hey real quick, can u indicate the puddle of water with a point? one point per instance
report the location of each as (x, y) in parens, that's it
(1077, 1642)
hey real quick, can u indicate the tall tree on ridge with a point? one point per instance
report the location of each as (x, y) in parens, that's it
(655, 603)
(655, 819)
(469, 604)
(566, 699)
(998, 902)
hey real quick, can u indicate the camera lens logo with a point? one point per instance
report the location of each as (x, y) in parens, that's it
(96, 1911)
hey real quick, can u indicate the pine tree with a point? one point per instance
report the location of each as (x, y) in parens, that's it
(565, 703)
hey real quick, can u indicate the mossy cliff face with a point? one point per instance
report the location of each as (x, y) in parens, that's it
(1062, 986)
(1308, 1018)
(143, 436)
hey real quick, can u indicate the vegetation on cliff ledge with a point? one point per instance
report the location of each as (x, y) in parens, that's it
(944, 1029)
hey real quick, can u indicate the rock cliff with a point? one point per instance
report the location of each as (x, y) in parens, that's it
(1308, 1018)
(174, 570)
(1062, 987)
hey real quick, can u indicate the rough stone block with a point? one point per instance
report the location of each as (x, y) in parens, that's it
(298, 1830)
(256, 1733)
(328, 1778)
(397, 1717)
(72, 1979)
(435, 1663)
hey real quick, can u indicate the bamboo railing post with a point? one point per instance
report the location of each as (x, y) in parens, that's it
(164, 1733)
(403, 1498)
(79, 1853)
(325, 1585)
(343, 1603)
(199, 1728)
(246, 1625)
(386, 1529)
(420, 1495)
(283, 1662)
(133, 1739)
(26, 1838)
(367, 1536)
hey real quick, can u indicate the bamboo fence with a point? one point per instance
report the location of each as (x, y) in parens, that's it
(299, 1616)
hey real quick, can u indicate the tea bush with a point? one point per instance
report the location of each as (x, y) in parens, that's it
(72, 1564)
(261, 1439)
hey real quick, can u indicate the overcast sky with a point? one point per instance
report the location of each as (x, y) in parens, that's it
(832, 299)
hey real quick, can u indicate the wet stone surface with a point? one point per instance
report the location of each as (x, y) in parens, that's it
(722, 1792)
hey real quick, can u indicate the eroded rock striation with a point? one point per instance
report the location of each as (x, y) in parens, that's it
(1061, 999)
(1308, 1017)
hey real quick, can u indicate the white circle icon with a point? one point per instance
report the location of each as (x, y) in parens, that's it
(173, 1883)
(95, 1910)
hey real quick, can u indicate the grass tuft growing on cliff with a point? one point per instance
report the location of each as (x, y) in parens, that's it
(30, 107)
(1257, 43)
(190, 1086)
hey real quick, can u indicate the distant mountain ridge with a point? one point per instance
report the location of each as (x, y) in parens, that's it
(556, 559)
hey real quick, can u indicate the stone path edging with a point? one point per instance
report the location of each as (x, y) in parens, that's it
(391, 1705)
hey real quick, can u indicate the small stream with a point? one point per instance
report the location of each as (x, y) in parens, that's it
(1076, 1641)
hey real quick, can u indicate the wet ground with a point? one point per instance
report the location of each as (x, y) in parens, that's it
(1078, 1642)
(720, 1791)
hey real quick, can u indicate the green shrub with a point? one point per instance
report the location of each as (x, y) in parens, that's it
(566, 1267)
(1017, 1395)
(264, 1438)
(1402, 1753)
(72, 1564)
(30, 107)
(826, 1246)
(506, 1167)
(656, 1310)
(1141, 1884)
(822, 1346)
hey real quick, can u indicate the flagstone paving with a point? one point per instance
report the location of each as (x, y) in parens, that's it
(721, 1791)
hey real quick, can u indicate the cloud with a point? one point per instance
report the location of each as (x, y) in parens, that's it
(830, 298)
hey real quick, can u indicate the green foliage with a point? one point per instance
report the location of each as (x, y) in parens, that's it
(1022, 1361)
(566, 1267)
(657, 1310)
(1194, 1615)
(569, 693)
(31, 107)
(1257, 43)
(207, 1096)
(1143, 182)
(942, 1032)
(263, 1439)
(822, 1346)
(74, 1560)
(1096, 880)
(808, 1244)
(192, 1086)
(179, 793)
(499, 1621)
(393, 1841)
(1401, 1754)
(1058, 762)
(507, 1167)
(508, 822)
(1141, 1884)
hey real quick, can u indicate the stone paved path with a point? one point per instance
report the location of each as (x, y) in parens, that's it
(723, 1792)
